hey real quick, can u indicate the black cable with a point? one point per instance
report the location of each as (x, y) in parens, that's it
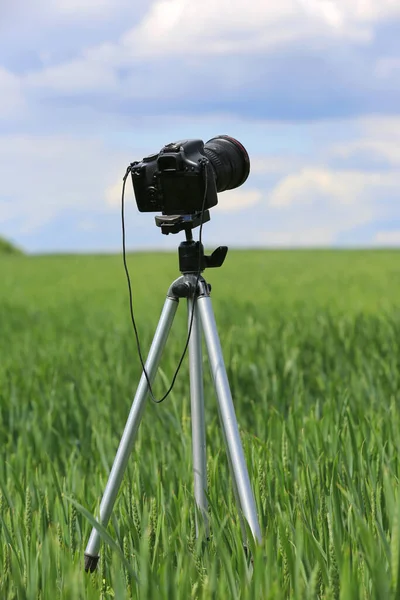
(130, 287)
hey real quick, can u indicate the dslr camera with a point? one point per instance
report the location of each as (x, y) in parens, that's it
(185, 177)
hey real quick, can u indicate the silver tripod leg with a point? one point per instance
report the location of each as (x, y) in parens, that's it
(228, 417)
(232, 474)
(197, 415)
(131, 428)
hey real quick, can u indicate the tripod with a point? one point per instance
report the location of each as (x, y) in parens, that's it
(191, 254)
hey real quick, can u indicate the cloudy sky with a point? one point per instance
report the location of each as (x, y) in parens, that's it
(310, 87)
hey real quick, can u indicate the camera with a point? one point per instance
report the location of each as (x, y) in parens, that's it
(186, 176)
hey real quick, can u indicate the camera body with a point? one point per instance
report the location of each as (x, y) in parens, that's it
(179, 180)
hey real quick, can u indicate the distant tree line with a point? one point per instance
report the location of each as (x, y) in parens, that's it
(7, 247)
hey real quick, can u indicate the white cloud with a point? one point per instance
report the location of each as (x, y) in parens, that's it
(389, 150)
(82, 7)
(78, 75)
(42, 177)
(375, 125)
(318, 185)
(87, 225)
(231, 26)
(11, 98)
(238, 199)
(339, 11)
(181, 28)
(66, 10)
(320, 203)
(387, 238)
(387, 67)
(113, 193)
(378, 137)
(261, 165)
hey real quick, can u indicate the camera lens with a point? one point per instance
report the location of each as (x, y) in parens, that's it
(229, 160)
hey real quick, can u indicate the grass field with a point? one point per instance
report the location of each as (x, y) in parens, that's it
(311, 341)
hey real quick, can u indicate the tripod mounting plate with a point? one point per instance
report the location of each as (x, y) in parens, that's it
(177, 223)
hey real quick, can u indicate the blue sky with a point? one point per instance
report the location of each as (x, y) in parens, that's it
(310, 87)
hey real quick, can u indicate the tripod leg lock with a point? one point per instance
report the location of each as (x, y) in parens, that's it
(205, 289)
(182, 289)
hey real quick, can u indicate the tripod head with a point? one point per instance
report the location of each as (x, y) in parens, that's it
(191, 256)
(191, 253)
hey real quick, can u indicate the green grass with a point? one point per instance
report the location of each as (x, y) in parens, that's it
(311, 342)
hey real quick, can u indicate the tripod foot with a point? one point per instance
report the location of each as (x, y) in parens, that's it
(91, 562)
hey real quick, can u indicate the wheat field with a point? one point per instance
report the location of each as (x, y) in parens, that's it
(311, 341)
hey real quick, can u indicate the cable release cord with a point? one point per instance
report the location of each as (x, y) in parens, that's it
(130, 288)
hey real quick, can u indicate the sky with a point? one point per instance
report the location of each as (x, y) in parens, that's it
(311, 88)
